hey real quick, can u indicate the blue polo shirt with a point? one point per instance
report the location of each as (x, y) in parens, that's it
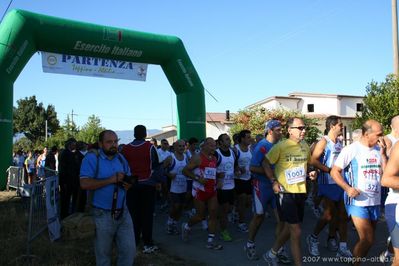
(258, 154)
(102, 197)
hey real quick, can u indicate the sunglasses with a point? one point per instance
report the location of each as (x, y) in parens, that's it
(300, 128)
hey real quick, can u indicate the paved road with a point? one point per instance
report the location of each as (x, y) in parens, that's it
(233, 252)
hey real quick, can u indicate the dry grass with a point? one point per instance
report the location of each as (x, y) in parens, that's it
(13, 239)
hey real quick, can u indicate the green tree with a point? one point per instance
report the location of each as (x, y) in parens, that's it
(23, 144)
(30, 118)
(381, 103)
(254, 120)
(90, 131)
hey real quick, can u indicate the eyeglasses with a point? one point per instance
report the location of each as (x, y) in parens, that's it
(300, 128)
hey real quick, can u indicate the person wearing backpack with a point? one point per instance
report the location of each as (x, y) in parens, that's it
(107, 174)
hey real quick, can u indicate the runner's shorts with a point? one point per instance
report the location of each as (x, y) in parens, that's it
(263, 195)
(177, 198)
(331, 191)
(200, 195)
(368, 212)
(392, 222)
(243, 186)
(225, 196)
(291, 207)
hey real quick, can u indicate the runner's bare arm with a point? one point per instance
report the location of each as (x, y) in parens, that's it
(336, 174)
(316, 154)
(388, 144)
(189, 168)
(390, 177)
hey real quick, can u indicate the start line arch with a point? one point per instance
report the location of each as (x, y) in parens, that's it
(23, 33)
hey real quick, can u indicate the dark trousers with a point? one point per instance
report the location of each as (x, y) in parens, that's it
(140, 201)
(67, 191)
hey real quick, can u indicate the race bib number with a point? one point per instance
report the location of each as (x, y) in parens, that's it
(180, 180)
(210, 173)
(295, 175)
(372, 186)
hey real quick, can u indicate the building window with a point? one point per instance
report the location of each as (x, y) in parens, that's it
(359, 107)
(310, 108)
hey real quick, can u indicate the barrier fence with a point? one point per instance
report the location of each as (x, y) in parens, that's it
(43, 196)
(15, 178)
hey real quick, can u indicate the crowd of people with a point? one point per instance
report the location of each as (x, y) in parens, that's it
(217, 182)
(65, 163)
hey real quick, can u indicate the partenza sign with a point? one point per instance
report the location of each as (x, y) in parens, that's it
(92, 66)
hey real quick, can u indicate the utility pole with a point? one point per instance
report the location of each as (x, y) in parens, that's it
(395, 38)
(46, 131)
(72, 114)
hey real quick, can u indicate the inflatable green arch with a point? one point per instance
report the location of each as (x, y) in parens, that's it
(23, 33)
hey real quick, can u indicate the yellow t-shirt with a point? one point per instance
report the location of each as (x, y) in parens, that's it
(290, 161)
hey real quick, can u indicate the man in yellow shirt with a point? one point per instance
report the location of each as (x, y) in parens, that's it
(290, 158)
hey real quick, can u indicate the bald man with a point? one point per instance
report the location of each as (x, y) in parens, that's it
(358, 170)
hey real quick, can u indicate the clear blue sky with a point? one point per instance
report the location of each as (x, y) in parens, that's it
(242, 51)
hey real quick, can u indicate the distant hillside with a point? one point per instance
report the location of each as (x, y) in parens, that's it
(126, 136)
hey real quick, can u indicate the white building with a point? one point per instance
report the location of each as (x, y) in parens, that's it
(216, 124)
(317, 105)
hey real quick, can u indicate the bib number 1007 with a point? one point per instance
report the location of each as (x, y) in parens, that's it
(295, 175)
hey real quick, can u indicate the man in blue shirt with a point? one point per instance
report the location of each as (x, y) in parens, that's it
(103, 173)
(263, 194)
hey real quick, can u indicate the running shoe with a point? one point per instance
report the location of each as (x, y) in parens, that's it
(313, 246)
(269, 259)
(225, 236)
(332, 244)
(213, 245)
(242, 227)
(184, 232)
(344, 253)
(150, 249)
(251, 252)
(283, 257)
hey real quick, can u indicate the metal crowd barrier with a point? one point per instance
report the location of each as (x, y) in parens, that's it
(15, 178)
(39, 219)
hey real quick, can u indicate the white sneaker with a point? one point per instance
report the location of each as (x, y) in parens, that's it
(313, 246)
(269, 259)
(184, 232)
(344, 253)
(242, 227)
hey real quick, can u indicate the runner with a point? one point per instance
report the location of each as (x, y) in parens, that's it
(323, 157)
(242, 181)
(202, 170)
(391, 179)
(362, 163)
(290, 158)
(178, 187)
(227, 166)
